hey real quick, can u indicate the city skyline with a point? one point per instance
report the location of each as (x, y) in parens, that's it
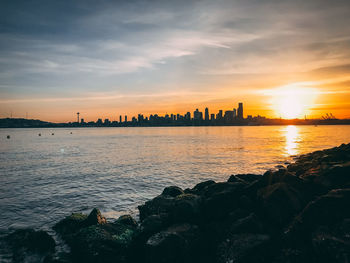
(58, 58)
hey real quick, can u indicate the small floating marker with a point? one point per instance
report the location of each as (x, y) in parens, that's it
(52, 134)
(39, 134)
(8, 137)
(71, 132)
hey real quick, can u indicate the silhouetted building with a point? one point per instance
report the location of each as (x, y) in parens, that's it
(197, 115)
(188, 116)
(240, 111)
(107, 122)
(212, 117)
(228, 116)
(206, 114)
(126, 118)
(234, 113)
(82, 121)
(219, 115)
(99, 122)
(120, 118)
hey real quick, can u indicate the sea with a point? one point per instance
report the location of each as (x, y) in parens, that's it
(48, 173)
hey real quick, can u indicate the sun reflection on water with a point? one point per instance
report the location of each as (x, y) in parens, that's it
(291, 134)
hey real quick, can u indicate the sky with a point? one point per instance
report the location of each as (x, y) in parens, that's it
(281, 58)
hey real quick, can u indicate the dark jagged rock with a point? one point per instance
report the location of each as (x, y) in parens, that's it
(127, 220)
(172, 191)
(245, 248)
(159, 204)
(245, 178)
(220, 198)
(95, 218)
(70, 224)
(280, 202)
(249, 224)
(37, 241)
(175, 244)
(28, 245)
(186, 208)
(200, 187)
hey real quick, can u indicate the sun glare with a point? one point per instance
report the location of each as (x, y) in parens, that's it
(293, 101)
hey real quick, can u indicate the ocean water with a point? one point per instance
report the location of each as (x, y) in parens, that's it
(44, 178)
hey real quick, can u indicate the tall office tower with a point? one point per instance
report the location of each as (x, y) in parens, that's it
(240, 111)
(219, 115)
(206, 114)
(197, 115)
(234, 113)
(126, 118)
(120, 118)
(188, 116)
(212, 117)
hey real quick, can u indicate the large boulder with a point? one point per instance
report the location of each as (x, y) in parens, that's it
(95, 218)
(177, 243)
(127, 220)
(37, 241)
(28, 245)
(325, 210)
(172, 191)
(186, 208)
(279, 202)
(220, 199)
(160, 204)
(70, 224)
(244, 178)
(245, 248)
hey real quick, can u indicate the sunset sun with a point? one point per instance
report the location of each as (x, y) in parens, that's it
(292, 101)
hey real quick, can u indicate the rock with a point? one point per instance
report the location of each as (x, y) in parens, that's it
(95, 218)
(172, 191)
(70, 224)
(219, 199)
(325, 210)
(153, 224)
(201, 186)
(245, 178)
(249, 224)
(244, 248)
(127, 220)
(175, 244)
(328, 248)
(186, 208)
(158, 205)
(280, 202)
(102, 243)
(37, 241)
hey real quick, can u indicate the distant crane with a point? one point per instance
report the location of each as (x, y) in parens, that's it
(78, 116)
(329, 116)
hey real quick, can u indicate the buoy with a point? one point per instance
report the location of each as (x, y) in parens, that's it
(39, 134)
(8, 137)
(71, 132)
(52, 134)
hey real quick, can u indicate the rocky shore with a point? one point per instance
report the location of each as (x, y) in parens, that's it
(298, 213)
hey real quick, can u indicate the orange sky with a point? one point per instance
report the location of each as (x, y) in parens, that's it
(280, 58)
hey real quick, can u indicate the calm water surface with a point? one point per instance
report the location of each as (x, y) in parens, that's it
(44, 178)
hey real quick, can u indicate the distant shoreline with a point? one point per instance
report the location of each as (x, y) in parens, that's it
(27, 123)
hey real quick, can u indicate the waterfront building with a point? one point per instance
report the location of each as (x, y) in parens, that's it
(206, 114)
(240, 111)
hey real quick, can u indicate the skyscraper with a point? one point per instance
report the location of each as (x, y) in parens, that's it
(206, 114)
(197, 115)
(120, 118)
(240, 111)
